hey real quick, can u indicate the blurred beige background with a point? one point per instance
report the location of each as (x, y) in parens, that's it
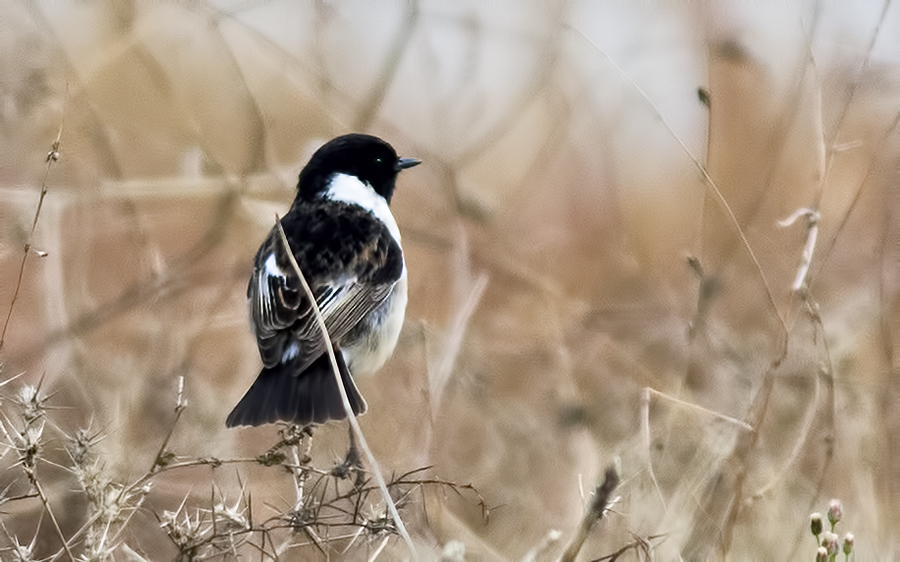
(548, 238)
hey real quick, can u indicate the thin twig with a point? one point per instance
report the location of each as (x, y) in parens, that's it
(46, 502)
(161, 460)
(598, 506)
(738, 461)
(641, 544)
(351, 417)
(735, 421)
(441, 368)
(799, 444)
(833, 148)
(52, 156)
(378, 550)
(180, 405)
(825, 254)
(712, 188)
(645, 433)
(854, 85)
(827, 373)
(801, 287)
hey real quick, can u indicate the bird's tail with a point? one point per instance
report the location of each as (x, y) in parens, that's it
(280, 394)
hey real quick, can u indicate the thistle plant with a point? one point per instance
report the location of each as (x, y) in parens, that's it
(332, 512)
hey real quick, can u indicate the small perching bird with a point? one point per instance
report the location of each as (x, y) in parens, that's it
(347, 245)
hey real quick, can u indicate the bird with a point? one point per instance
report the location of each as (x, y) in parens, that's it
(347, 245)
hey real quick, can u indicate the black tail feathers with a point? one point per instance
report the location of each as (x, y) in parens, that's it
(279, 394)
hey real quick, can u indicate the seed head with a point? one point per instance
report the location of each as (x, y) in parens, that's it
(815, 524)
(848, 543)
(231, 518)
(835, 512)
(830, 542)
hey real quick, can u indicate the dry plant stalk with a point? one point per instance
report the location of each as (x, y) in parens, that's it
(596, 509)
(52, 157)
(351, 417)
(468, 291)
(712, 189)
(739, 459)
(220, 529)
(29, 444)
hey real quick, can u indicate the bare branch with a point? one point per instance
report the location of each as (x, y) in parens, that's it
(52, 158)
(596, 509)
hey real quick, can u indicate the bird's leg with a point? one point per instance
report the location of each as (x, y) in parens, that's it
(352, 463)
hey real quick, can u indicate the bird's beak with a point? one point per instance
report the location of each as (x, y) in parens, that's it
(404, 163)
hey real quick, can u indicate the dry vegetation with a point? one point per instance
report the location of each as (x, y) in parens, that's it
(603, 270)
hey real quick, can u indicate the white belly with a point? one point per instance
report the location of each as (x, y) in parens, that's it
(367, 355)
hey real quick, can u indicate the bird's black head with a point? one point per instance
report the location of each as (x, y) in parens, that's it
(369, 158)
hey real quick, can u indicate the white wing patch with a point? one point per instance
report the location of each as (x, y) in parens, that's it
(349, 189)
(271, 267)
(290, 352)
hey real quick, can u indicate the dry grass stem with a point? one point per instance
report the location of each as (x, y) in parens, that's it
(52, 158)
(732, 420)
(468, 293)
(812, 234)
(710, 185)
(351, 417)
(799, 444)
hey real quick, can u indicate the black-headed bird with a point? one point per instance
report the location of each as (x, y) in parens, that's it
(347, 244)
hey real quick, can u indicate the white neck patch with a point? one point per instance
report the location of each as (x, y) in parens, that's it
(349, 189)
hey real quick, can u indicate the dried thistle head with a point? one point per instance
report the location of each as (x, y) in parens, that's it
(22, 553)
(19, 552)
(26, 438)
(187, 533)
(32, 402)
(28, 445)
(231, 519)
(86, 467)
(80, 447)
